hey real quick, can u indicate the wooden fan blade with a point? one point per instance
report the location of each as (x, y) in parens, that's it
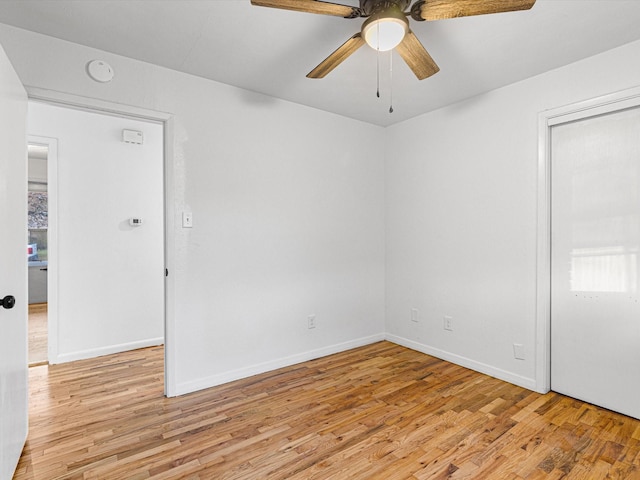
(417, 57)
(337, 57)
(310, 6)
(441, 9)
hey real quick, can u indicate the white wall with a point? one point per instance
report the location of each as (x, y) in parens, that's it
(109, 275)
(461, 216)
(288, 208)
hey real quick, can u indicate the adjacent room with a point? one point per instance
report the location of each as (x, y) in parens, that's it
(264, 243)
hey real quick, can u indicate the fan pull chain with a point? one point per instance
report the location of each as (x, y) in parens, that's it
(378, 73)
(391, 82)
(378, 64)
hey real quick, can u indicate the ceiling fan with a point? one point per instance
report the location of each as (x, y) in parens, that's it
(386, 26)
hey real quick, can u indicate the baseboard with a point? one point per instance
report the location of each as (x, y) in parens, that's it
(98, 352)
(226, 377)
(525, 382)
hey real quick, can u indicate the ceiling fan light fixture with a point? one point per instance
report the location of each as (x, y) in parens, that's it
(386, 29)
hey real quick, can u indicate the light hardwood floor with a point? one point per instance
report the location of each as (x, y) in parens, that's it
(37, 333)
(376, 412)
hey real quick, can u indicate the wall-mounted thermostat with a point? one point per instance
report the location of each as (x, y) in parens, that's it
(132, 136)
(135, 222)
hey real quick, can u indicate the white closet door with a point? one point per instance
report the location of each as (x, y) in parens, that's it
(595, 243)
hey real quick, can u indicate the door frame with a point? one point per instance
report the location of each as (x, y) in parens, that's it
(167, 120)
(52, 239)
(613, 102)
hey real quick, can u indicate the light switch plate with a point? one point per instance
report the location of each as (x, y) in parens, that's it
(187, 220)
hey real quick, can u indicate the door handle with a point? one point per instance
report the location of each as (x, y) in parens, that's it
(8, 302)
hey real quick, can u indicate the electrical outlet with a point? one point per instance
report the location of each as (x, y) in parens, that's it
(448, 323)
(311, 321)
(414, 315)
(518, 351)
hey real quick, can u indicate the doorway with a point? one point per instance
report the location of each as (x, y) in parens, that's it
(589, 231)
(38, 246)
(105, 282)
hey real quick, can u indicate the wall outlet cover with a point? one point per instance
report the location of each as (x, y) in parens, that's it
(518, 351)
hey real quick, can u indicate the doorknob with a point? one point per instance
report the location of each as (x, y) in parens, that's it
(8, 302)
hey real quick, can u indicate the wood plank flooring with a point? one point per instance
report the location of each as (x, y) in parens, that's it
(376, 412)
(38, 333)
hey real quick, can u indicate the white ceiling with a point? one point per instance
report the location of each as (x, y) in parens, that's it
(270, 51)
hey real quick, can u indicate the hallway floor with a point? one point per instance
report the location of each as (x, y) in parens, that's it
(37, 334)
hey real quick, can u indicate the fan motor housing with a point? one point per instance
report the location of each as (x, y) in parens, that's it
(370, 7)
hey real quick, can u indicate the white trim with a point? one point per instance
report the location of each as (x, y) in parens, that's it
(111, 349)
(52, 241)
(543, 262)
(594, 106)
(170, 361)
(219, 379)
(546, 120)
(94, 104)
(525, 382)
(113, 108)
